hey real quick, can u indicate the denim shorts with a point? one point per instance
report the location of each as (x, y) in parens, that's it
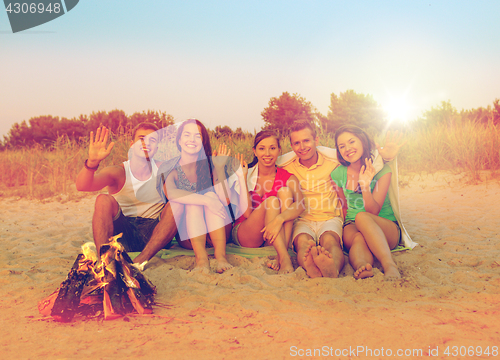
(136, 231)
(234, 234)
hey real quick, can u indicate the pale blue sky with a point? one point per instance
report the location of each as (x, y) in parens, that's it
(222, 61)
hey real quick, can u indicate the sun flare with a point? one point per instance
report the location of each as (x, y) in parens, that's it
(398, 109)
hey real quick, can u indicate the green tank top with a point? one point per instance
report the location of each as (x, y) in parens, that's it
(355, 203)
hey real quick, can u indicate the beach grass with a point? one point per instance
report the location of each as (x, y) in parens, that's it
(467, 148)
(41, 173)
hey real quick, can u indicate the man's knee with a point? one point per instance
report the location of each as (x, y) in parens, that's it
(167, 214)
(329, 238)
(302, 241)
(105, 203)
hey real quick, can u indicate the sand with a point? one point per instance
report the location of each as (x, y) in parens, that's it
(448, 298)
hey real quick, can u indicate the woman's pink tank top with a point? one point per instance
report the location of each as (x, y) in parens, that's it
(280, 180)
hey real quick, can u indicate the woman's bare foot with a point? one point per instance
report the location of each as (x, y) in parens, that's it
(281, 266)
(202, 263)
(274, 264)
(324, 261)
(286, 266)
(201, 267)
(363, 272)
(309, 265)
(391, 272)
(223, 265)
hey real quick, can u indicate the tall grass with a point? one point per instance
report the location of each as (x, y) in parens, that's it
(42, 173)
(467, 147)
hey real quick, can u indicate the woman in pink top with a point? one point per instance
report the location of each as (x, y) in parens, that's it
(276, 201)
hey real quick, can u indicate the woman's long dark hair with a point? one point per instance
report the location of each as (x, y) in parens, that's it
(261, 135)
(204, 178)
(367, 143)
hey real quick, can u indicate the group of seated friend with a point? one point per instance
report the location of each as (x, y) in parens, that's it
(317, 201)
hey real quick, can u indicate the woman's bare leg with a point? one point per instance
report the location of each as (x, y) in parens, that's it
(249, 231)
(284, 263)
(286, 198)
(360, 256)
(380, 235)
(197, 233)
(217, 231)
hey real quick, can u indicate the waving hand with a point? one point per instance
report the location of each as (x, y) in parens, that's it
(366, 174)
(98, 150)
(219, 156)
(392, 145)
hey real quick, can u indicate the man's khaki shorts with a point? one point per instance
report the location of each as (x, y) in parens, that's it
(316, 228)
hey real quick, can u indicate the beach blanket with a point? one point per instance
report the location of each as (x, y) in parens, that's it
(232, 249)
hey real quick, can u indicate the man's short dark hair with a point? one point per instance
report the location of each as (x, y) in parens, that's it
(144, 126)
(301, 125)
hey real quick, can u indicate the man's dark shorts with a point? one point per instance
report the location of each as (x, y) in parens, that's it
(136, 231)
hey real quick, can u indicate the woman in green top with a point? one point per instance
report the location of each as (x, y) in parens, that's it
(370, 228)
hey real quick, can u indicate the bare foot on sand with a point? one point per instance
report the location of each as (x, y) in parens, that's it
(391, 273)
(281, 266)
(363, 272)
(286, 266)
(309, 265)
(223, 265)
(201, 269)
(202, 264)
(324, 261)
(274, 264)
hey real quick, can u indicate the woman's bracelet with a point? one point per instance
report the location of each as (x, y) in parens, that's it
(90, 168)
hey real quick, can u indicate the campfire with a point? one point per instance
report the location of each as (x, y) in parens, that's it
(111, 285)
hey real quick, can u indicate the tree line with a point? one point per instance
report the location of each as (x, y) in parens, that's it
(348, 107)
(45, 130)
(362, 110)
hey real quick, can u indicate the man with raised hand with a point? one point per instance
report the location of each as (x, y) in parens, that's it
(132, 206)
(317, 233)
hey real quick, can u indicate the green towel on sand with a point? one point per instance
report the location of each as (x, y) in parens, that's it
(233, 249)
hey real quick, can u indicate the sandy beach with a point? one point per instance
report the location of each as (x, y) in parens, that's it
(449, 297)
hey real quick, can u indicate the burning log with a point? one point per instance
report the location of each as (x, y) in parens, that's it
(68, 298)
(140, 291)
(116, 302)
(113, 285)
(139, 297)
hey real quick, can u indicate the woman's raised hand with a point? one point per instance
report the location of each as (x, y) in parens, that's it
(366, 174)
(219, 156)
(392, 145)
(240, 166)
(98, 150)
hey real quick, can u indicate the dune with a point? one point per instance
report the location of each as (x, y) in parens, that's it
(446, 305)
